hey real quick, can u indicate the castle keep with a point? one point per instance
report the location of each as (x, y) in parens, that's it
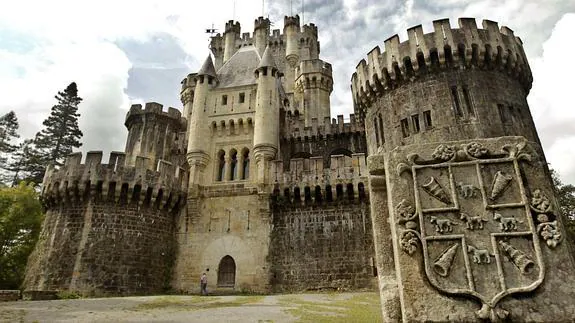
(436, 189)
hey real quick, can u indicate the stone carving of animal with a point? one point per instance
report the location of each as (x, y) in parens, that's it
(442, 225)
(480, 256)
(466, 190)
(473, 222)
(507, 223)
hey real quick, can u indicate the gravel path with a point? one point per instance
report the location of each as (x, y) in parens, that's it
(273, 308)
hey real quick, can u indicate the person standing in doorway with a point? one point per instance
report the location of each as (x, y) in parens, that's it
(204, 284)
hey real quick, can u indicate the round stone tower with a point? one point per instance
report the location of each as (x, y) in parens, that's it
(108, 228)
(198, 145)
(451, 84)
(266, 131)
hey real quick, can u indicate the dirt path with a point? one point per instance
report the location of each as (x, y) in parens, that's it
(341, 307)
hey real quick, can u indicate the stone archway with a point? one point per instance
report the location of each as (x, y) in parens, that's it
(227, 272)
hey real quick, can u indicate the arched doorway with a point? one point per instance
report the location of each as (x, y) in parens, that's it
(227, 272)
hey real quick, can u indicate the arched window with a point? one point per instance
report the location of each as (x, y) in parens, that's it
(233, 164)
(227, 272)
(221, 165)
(246, 164)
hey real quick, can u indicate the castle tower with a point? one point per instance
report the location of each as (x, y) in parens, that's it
(450, 133)
(291, 32)
(266, 130)
(232, 32)
(198, 125)
(152, 133)
(261, 34)
(313, 86)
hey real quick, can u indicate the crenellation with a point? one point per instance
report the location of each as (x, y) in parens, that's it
(74, 178)
(464, 47)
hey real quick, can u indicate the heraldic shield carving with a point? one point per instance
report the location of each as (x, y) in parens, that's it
(473, 217)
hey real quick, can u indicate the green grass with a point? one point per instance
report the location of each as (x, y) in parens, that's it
(364, 307)
(195, 303)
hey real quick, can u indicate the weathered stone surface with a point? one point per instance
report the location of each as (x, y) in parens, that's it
(324, 246)
(469, 233)
(9, 295)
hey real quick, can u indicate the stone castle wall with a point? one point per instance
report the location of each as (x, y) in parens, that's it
(101, 247)
(321, 247)
(109, 228)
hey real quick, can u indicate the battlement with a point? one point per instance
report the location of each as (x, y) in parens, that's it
(291, 21)
(161, 185)
(309, 180)
(314, 66)
(153, 108)
(233, 27)
(310, 28)
(189, 81)
(261, 22)
(297, 130)
(467, 47)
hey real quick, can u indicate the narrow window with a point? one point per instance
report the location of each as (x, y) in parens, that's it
(427, 119)
(415, 121)
(246, 165)
(242, 97)
(376, 128)
(381, 129)
(233, 165)
(502, 113)
(405, 128)
(224, 99)
(467, 98)
(456, 103)
(512, 113)
(221, 166)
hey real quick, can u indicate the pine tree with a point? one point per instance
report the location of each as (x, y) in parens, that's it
(61, 133)
(27, 164)
(8, 132)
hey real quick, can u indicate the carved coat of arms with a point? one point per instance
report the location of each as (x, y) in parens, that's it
(477, 225)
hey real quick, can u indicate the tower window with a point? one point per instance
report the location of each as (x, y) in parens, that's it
(221, 165)
(502, 113)
(376, 129)
(427, 119)
(467, 99)
(233, 165)
(224, 99)
(415, 122)
(381, 129)
(242, 97)
(456, 104)
(405, 128)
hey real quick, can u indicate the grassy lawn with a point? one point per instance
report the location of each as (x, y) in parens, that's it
(364, 307)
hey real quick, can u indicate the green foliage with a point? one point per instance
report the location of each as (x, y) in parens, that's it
(8, 132)
(68, 295)
(27, 164)
(20, 223)
(566, 199)
(61, 133)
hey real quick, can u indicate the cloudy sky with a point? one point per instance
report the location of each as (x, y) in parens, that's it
(124, 52)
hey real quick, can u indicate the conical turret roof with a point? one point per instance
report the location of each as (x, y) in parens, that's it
(267, 59)
(208, 68)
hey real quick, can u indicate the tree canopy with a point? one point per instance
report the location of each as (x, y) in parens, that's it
(20, 223)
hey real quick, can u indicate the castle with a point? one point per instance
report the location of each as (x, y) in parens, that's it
(255, 184)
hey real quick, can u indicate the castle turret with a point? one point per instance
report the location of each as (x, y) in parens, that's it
(232, 32)
(266, 132)
(152, 133)
(261, 34)
(291, 32)
(314, 83)
(198, 143)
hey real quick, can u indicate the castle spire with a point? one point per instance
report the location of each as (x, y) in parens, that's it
(208, 67)
(267, 59)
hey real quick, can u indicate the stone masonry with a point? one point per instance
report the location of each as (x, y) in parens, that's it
(471, 231)
(436, 188)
